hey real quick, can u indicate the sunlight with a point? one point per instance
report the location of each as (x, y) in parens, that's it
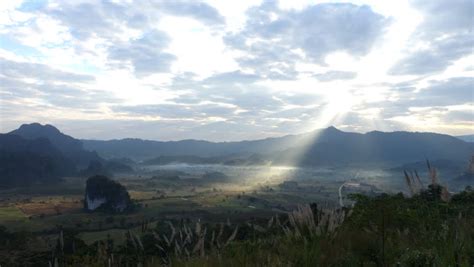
(338, 103)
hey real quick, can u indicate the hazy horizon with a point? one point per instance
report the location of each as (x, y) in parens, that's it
(217, 141)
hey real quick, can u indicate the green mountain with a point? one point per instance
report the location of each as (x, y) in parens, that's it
(26, 162)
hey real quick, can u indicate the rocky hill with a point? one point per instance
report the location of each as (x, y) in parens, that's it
(104, 194)
(70, 147)
(26, 162)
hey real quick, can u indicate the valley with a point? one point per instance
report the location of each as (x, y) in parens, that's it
(240, 189)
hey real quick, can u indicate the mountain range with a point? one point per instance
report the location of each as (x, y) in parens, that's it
(326, 146)
(55, 154)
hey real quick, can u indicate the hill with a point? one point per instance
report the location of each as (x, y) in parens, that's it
(467, 138)
(25, 162)
(69, 147)
(139, 149)
(334, 146)
(104, 194)
(326, 146)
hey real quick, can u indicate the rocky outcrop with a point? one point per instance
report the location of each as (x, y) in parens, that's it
(104, 194)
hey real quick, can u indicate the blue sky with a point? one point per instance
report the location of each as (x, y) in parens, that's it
(233, 70)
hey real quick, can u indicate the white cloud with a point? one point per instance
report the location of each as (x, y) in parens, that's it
(238, 69)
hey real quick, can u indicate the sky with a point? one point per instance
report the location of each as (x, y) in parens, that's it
(233, 70)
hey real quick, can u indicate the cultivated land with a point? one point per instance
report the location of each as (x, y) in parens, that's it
(249, 201)
(44, 208)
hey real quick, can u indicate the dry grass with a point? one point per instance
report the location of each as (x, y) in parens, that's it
(49, 208)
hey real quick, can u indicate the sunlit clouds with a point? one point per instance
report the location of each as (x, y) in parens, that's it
(221, 70)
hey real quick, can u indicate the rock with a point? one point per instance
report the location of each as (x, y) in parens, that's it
(104, 194)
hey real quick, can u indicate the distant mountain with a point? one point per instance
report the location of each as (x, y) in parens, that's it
(441, 164)
(26, 162)
(467, 138)
(70, 147)
(334, 146)
(322, 147)
(138, 149)
(235, 160)
(326, 146)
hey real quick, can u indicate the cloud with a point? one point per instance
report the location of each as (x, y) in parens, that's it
(194, 9)
(444, 36)
(454, 91)
(144, 54)
(25, 85)
(234, 77)
(272, 37)
(40, 72)
(128, 33)
(267, 72)
(460, 116)
(100, 20)
(444, 17)
(335, 75)
(436, 95)
(232, 88)
(177, 111)
(437, 57)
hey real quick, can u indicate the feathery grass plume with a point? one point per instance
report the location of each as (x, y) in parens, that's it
(303, 224)
(408, 180)
(418, 179)
(415, 182)
(177, 248)
(138, 241)
(277, 219)
(213, 236)
(198, 227)
(432, 173)
(232, 237)
(270, 223)
(173, 230)
(445, 195)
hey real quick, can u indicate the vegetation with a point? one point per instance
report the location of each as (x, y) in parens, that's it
(384, 230)
(26, 162)
(214, 215)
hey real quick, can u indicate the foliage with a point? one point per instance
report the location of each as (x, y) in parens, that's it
(384, 230)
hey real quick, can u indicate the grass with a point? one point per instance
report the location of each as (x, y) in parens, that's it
(384, 230)
(11, 214)
(117, 235)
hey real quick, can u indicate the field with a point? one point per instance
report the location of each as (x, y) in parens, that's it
(187, 195)
(45, 208)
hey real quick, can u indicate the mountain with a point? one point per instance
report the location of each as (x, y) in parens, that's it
(334, 146)
(326, 146)
(467, 138)
(138, 149)
(25, 162)
(70, 147)
(322, 147)
(238, 160)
